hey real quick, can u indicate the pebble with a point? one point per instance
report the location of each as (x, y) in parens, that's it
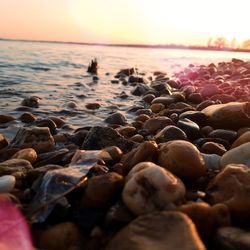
(182, 158)
(28, 154)
(228, 135)
(32, 102)
(238, 155)
(157, 123)
(6, 118)
(244, 138)
(3, 142)
(152, 188)
(191, 129)
(157, 107)
(231, 187)
(7, 183)
(146, 232)
(213, 148)
(27, 117)
(93, 105)
(116, 118)
(37, 138)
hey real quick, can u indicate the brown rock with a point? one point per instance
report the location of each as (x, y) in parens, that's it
(28, 154)
(115, 153)
(142, 118)
(182, 158)
(231, 187)
(127, 131)
(213, 148)
(158, 231)
(37, 138)
(27, 117)
(6, 118)
(137, 138)
(146, 151)
(3, 141)
(93, 105)
(244, 138)
(101, 189)
(157, 107)
(232, 115)
(58, 121)
(151, 188)
(157, 123)
(61, 236)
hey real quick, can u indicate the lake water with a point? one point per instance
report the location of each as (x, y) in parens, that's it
(57, 74)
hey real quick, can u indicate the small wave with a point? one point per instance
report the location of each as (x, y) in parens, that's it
(40, 68)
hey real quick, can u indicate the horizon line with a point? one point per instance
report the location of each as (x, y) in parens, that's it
(131, 45)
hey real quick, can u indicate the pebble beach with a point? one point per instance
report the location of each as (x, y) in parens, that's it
(163, 164)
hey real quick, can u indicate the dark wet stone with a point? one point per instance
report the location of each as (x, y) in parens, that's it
(101, 137)
(228, 135)
(78, 137)
(223, 98)
(170, 133)
(94, 105)
(54, 157)
(37, 138)
(195, 98)
(140, 89)
(27, 117)
(135, 108)
(46, 123)
(116, 118)
(199, 142)
(195, 116)
(127, 72)
(114, 81)
(32, 102)
(6, 118)
(95, 78)
(204, 104)
(58, 121)
(133, 79)
(162, 87)
(144, 111)
(191, 128)
(148, 98)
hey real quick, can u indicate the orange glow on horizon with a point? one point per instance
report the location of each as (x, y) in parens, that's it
(130, 21)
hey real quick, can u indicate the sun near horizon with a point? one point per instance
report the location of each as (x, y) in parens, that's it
(191, 22)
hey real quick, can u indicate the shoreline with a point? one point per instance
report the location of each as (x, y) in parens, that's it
(153, 46)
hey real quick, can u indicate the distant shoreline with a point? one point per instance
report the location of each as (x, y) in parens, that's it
(150, 46)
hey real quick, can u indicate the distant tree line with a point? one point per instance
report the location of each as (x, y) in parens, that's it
(222, 42)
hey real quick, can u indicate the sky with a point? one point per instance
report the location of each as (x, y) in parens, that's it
(190, 22)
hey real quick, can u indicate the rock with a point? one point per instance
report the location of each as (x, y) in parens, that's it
(32, 102)
(116, 118)
(94, 105)
(244, 138)
(137, 138)
(78, 137)
(195, 116)
(204, 105)
(27, 117)
(159, 230)
(148, 98)
(146, 151)
(6, 118)
(238, 155)
(93, 67)
(71, 105)
(228, 135)
(232, 238)
(212, 161)
(28, 154)
(170, 133)
(135, 79)
(142, 118)
(115, 153)
(165, 100)
(101, 137)
(157, 123)
(213, 148)
(231, 187)
(152, 188)
(224, 98)
(46, 123)
(209, 90)
(127, 131)
(58, 121)
(157, 107)
(3, 142)
(101, 190)
(182, 158)
(195, 98)
(233, 115)
(127, 72)
(114, 81)
(7, 183)
(65, 235)
(162, 87)
(39, 139)
(140, 89)
(191, 129)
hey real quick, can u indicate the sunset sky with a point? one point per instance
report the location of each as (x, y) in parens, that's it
(125, 21)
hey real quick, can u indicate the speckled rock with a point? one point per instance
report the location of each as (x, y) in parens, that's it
(101, 137)
(238, 155)
(170, 133)
(182, 158)
(152, 188)
(158, 231)
(28, 154)
(102, 189)
(146, 151)
(157, 123)
(39, 139)
(231, 187)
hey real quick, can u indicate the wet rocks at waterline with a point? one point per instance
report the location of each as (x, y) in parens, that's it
(174, 176)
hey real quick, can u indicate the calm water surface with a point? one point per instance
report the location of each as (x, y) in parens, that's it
(57, 74)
